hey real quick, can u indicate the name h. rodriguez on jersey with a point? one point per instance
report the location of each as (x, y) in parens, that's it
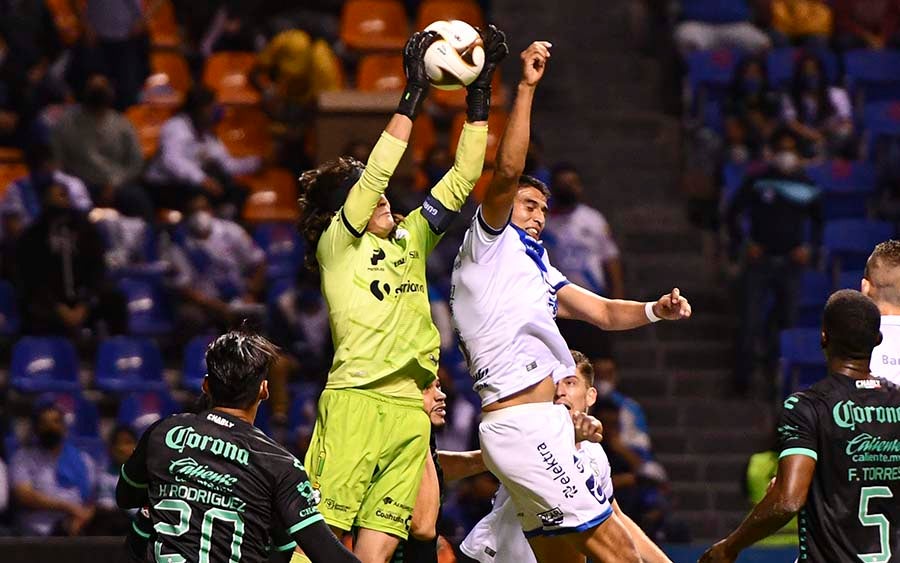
(848, 414)
(180, 437)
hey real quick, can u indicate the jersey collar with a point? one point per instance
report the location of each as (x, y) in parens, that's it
(533, 248)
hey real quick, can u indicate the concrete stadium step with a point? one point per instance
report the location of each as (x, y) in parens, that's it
(709, 525)
(705, 496)
(640, 242)
(701, 413)
(698, 469)
(708, 441)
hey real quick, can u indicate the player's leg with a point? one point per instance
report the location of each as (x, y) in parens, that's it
(385, 515)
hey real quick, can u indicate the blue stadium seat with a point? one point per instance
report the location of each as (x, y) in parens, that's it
(714, 11)
(711, 71)
(94, 447)
(780, 65)
(81, 415)
(263, 418)
(9, 310)
(44, 364)
(129, 364)
(732, 178)
(802, 360)
(283, 247)
(850, 241)
(847, 187)
(876, 74)
(882, 119)
(141, 409)
(851, 279)
(815, 287)
(194, 368)
(149, 313)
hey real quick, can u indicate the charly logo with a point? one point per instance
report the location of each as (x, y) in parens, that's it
(377, 256)
(180, 437)
(552, 517)
(379, 290)
(189, 468)
(848, 414)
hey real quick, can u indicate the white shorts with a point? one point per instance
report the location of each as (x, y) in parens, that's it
(531, 449)
(498, 537)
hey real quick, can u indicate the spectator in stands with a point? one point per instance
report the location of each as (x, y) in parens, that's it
(751, 108)
(21, 204)
(130, 243)
(534, 160)
(232, 27)
(219, 270)
(116, 45)
(98, 144)
(61, 273)
(797, 22)
(867, 24)
(633, 428)
(821, 115)
(4, 488)
(109, 519)
(729, 27)
(779, 203)
(300, 328)
(53, 482)
(192, 160)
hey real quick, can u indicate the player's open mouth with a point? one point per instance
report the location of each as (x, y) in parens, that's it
(440, 410)
(533, 232)
(567, 405)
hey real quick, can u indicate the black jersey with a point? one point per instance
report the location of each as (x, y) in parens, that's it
(220, 490)
(852, 429)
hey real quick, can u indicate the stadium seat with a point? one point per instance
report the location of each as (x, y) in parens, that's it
(245, 131)
(273, 197)
(433, 10)
(423, 138)
(42, 364)
(815, 287)
(714, 11)
(11, 154)
(9, 310)
(129, 364)
(283, 247)
(802, 360)
(496, 125)
(851, 279)
(850, 241)
(780, 66)
(882, 119)
(141, 409)
(194, 368)
(847, 187)
(169, 80)
(227, 74)
(148, 307)
(162, 25)
(711, 70)
(80, 415)
(94, 447)
(733, 175)
(873, 74)
(380, 73)
(374, 25)
(147, 120)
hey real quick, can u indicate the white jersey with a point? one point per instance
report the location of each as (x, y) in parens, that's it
(886, 356)
(503, 301)
(498, 537)
(582, 244)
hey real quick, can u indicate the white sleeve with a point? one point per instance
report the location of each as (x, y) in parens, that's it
(217, 151)
(841, 102)
(481, 240)
(176, 142)
(78, 192)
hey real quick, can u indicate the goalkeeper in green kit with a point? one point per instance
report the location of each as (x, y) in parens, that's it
(370, 443)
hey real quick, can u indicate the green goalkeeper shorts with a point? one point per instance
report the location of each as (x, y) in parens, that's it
(366, 457)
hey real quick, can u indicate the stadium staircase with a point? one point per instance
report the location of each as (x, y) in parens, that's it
(600, 107)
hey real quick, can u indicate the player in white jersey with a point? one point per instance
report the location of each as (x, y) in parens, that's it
(881, 284)
(498, 537)
(504, 300)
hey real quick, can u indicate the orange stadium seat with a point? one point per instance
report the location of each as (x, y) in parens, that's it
(245, 131)
(456, 99)
(66, 20)
(482, 184)
(162, 25)
(424, 137)
(9, 172)
(273, 196)
(169, 80)
(434, 10)
(147, 120)
(11, 154)
(496, 125)
(379, 73)
(227, 74)
(374, 25)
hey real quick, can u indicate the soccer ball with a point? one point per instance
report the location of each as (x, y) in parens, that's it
(455, 60)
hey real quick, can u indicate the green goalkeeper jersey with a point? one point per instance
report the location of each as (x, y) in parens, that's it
(384, 338)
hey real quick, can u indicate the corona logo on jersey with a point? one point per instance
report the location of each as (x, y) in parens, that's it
(180, 437)
(847, 415)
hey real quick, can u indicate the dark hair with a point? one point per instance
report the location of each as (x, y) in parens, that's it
(562, 168)
(236, 363)
(824, 108)
(122, 429)
(322, 192)
(197, 98)
(43, 405)
(852, 324)
(583, 367)
(526, 181)
(883, 271)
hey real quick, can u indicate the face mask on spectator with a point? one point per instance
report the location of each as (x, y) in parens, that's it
(49, 439)
(200, 223)
(786, 161)
(605, 388)
(812, 81)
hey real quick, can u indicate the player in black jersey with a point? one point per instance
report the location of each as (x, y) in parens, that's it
(840, 454)
(218, 489)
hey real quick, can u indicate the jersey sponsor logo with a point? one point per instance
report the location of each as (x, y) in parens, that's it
(332, 504)
(220, 420)
(189, 468)
(556, 470)
(391, 502)
(379, 290)
(868, 384)
(848, 414)
(382, 289)
(394, 517)
(552, 517)
(867, 443)
(180, 437)
(311, 495)
(377, 256)
(889, 361)
(400, 262)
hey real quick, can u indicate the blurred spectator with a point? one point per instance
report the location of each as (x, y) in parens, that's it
(4, 488)
(109, 519)
(61, 273)
(300, 327)
(116, 45)
(867, 24)
(633, 427)
(21, 204)
(534, 160)
(779, 204)
(797, 22)
(821, 115)
(219, 270)
(232, 27)
(191, 160)
(730, 27)
(98, 144)
(751, 110)
(130, 248)
(52, 481)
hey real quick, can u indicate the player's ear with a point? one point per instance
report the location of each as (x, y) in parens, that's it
(865, 287)
(205, 385)
(264, 390)
(880, 338)
(824, 340)
(590, 397)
